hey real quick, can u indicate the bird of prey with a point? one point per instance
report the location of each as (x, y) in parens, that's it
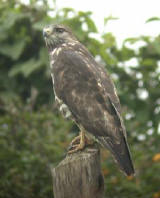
(85, 92)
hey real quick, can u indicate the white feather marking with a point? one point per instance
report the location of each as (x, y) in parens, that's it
(53, 52)
(63, 106)
(64, 45)
(99, 84)
(57, 99)
(72, 44)
(52, 62)
(58, 50)
(68, 114)
(88, 65)
(52, 78)
(65, 111)
(79, 52)
(105, 116)
(115, 91)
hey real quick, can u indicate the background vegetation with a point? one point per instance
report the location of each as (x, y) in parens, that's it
(34, 137)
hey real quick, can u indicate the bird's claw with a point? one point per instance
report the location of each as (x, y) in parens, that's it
(79, 143)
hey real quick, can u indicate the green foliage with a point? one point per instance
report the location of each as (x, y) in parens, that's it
(30, 143)
(153, 19)
(33, 136)
(109, 18)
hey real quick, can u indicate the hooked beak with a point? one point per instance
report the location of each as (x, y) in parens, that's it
(46, 32)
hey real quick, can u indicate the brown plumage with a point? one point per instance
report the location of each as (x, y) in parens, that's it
(86, 93)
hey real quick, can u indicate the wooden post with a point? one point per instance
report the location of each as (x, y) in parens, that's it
(79, 175)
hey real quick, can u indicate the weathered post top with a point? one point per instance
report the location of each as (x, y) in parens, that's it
(79, 175)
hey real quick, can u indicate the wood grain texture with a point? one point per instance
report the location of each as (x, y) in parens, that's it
(79, 175)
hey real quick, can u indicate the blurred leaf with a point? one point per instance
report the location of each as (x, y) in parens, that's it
(26, 68)
(109, 40)
(13, 51)
(91, 25)
(153, 19)
(109, 18)
(131, 40)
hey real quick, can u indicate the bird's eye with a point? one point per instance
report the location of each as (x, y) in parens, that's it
(59, 30)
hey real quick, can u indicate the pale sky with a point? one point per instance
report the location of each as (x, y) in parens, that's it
(132, 15)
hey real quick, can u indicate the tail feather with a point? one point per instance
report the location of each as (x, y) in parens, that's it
(120, 152)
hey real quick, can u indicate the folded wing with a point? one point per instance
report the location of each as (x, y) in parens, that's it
(89, 93)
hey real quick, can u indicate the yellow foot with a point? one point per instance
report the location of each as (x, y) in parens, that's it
(79, 143)
(75, 148)
(76, 140)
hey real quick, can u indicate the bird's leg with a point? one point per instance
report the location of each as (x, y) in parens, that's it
(75, 141)
(82, 140)
(79, 142)
(76, 147)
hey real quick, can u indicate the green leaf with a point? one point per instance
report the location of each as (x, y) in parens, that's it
(156, 45)
(109, 40)
(39, 25)
(13, 50)
(91, 25)
(131, 40)
(109, 18)
(26, 68)
(153, 19)
(10, 18)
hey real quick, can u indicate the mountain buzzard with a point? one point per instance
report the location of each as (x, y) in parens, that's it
(85, 93)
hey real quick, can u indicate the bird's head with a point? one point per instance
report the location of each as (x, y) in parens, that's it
(56, 35)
